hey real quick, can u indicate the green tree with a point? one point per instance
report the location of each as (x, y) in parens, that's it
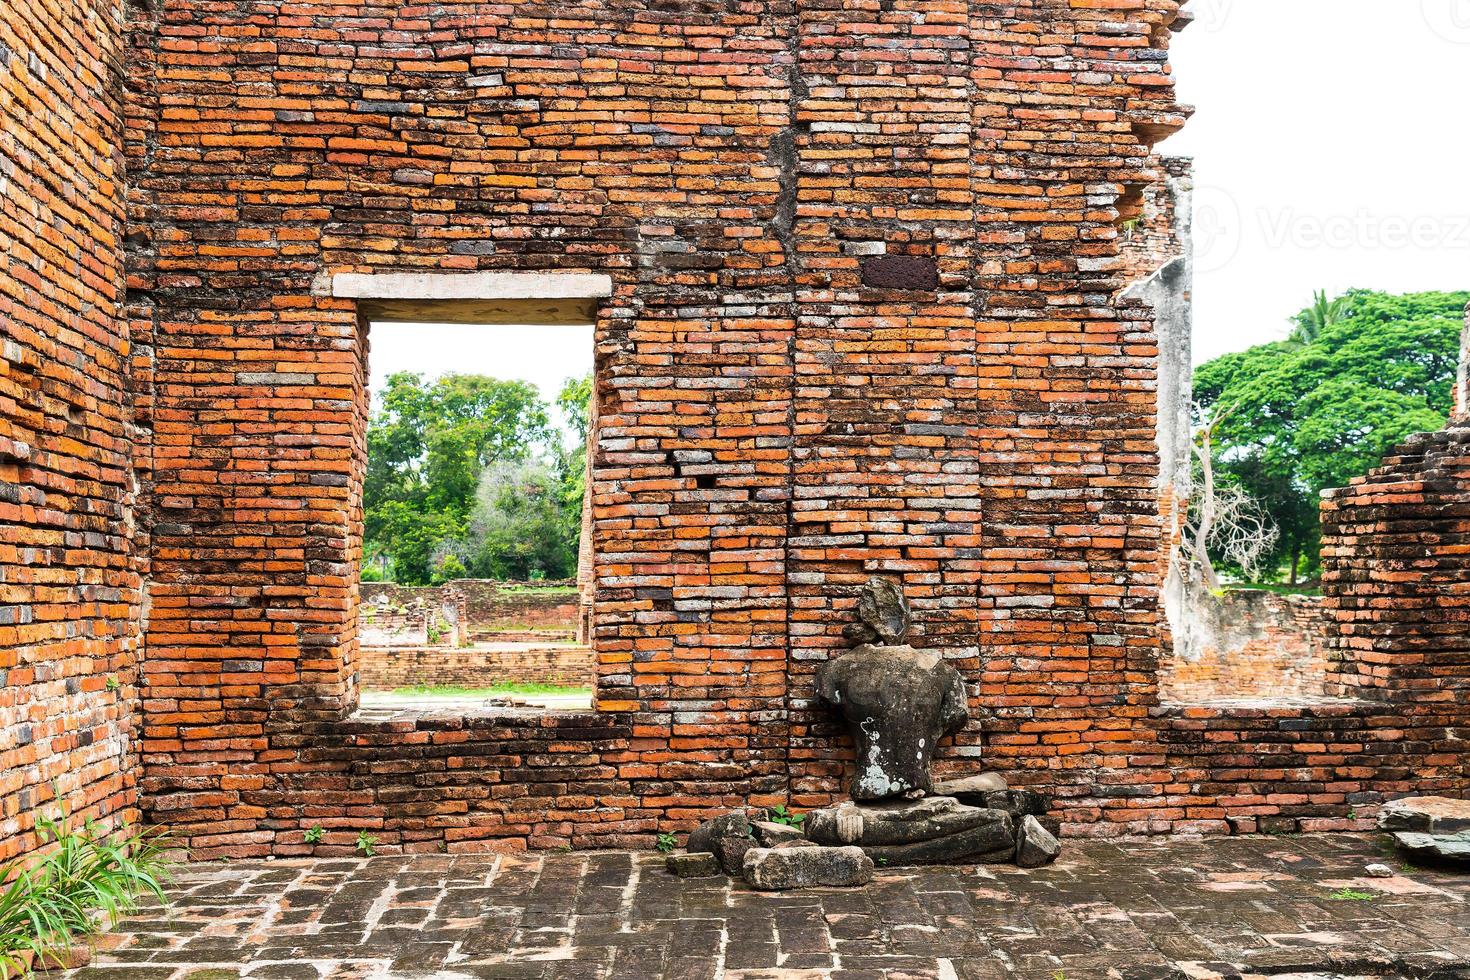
(1362, 372)
(519, 529)
(428, 443)
(575, 402)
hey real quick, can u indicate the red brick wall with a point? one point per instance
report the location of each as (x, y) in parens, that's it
(1395, 561)
(775, 422)
(495, 607)
(477, 784)
(69, 586)
(1283, 769)
(777, 418)
(386, 668)
(1395, 564)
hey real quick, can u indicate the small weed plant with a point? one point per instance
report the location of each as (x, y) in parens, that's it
(367, 844)
(666, 843)
(314, 834)
(86, 879)
(1352, 895)
(779, 814)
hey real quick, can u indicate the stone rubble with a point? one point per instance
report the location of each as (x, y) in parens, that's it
(1035, 845)
(1432, 829)
(781, 869)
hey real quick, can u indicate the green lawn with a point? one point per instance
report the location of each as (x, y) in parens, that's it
(1276, 587)
(451, 691)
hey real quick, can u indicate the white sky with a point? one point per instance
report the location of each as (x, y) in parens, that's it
(546, 356)
(1331, 149)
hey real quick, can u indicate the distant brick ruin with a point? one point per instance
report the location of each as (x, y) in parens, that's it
(471, 633)
(858, 277)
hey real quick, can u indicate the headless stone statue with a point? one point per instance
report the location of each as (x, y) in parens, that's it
(898, 701)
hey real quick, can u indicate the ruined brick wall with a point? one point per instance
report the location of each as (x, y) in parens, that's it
(1159, 230)
(1287, 768)
(867, 317)
(507, 783)
(465, 610)
(1158, 255)
(495, 607)
(412, 615)
(69, 584)
(864, 319)
(1394, 566)
(1249, 643)
(486, 665)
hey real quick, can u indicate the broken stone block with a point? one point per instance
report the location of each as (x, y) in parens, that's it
(781, 869)
(1450, 848)
(971, 786)
(736, 823)
(884, 614)
(731, 853)
(934, 830)
(769, 833)
(699, 865)
(1035, 845)
(1425, 815)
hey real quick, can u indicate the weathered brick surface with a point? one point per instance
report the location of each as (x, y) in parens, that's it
(481, 665)
(69, 585)
(772, 427)
(1395, 560)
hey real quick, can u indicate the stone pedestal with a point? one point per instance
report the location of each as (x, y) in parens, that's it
(935, 830)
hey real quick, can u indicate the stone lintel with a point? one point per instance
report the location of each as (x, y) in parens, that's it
(475, 297)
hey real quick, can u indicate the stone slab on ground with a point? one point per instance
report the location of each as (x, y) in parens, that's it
(1454, 848)
(784, 869)
(1170, 908)
(1425, 815)
(700, 864)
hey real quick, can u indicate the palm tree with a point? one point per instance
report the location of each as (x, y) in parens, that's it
(1322, 314)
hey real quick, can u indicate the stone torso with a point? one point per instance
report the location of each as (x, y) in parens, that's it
(898, 702)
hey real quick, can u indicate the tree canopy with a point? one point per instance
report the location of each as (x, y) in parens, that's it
(432, 447)
(1358, 375)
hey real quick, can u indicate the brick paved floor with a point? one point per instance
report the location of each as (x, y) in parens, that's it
(1219, 907)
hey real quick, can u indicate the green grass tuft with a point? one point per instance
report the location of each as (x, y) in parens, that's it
(85, 878)
(1352, 895)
